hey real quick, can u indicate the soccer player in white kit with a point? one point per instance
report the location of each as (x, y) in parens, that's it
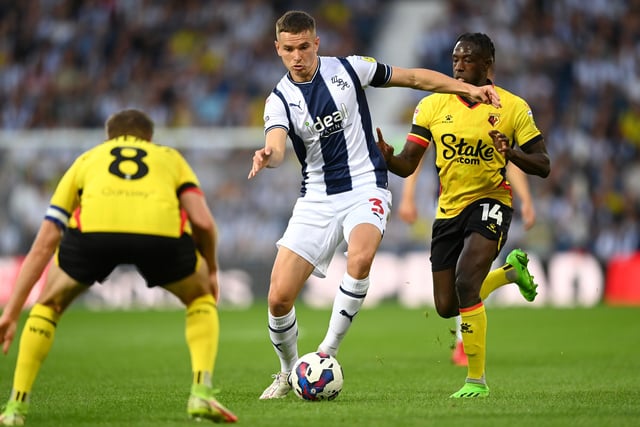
(321, 107)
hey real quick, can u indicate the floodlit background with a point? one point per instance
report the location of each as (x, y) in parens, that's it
(203, 68)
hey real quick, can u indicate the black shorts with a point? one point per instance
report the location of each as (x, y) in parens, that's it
(488, 217)
(91, 257)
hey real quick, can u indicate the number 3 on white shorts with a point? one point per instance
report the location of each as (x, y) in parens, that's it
(377, 206)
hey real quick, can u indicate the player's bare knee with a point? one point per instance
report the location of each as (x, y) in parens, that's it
(468, 295)
(359, 265)
(59, 299)
(446, 308)
(54, 304)
(278, 305)
(447, 312)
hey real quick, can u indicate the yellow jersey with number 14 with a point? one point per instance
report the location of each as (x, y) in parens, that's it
(468, 165)
(124, 185)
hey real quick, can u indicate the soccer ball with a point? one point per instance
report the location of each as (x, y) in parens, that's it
(317, 376)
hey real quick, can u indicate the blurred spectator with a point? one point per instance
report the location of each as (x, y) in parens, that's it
(91, 57)
(71, 63)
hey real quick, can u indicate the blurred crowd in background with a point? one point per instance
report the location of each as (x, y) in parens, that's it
(71, 63)
(577, 63)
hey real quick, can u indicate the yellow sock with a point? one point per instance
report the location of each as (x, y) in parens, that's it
(202, 332)
(474, 338)
(494, 280)
(35, 344)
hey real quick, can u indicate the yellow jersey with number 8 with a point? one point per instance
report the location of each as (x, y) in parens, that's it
(124, 185)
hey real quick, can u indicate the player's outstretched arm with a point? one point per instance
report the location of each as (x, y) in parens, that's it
(37, 259)
(434, 81)
(205, 233)
(272, 155)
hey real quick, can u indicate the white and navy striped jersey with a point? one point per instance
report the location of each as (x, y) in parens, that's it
(329, 123)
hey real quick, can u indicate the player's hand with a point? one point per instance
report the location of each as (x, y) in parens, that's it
(501, 142)
(487, 95)
(260, 161)
(407, 210)
(214, 286)
(7, 333)
(385, 149)
(528, 213)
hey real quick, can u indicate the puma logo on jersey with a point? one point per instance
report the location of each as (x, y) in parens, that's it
(291, 104)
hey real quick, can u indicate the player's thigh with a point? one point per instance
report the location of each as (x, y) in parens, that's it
(313, 233)
(444, 292)
(289, 274)
(364, 225)
(192, 286)
(363, 244)
(368, 206)
(60, 289)
(475, 260)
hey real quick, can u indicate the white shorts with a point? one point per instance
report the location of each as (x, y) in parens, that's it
(319, 224)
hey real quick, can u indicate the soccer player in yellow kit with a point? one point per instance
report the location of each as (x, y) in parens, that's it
(125, 201)
(473, 144)
(408, 212)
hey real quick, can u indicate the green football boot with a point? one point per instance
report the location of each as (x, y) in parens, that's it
(519, 260)
(471, 390)
(14, 413)
(203, 405)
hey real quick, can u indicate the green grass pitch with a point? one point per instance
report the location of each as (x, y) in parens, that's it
(546, 367)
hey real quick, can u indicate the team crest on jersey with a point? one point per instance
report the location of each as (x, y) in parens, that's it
(493, 118)
(341, 83)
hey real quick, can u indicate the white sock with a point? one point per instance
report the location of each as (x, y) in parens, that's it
(283, 332)
(346, 305)
(458, 329)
